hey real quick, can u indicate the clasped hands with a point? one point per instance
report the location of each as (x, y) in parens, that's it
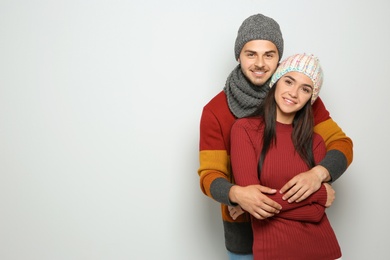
(254, 198)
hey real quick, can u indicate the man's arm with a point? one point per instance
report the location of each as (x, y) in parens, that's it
(310, 210)
(254, 200)
(338, 145)
(215, 174)
(338, 157)
(214, 169)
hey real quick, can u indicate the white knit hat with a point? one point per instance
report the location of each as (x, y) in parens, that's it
(305, 63)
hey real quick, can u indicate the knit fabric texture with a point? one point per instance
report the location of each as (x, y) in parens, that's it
(259, 27)
(215, 168)
(307, 64)
(243, 96)
(299, 228)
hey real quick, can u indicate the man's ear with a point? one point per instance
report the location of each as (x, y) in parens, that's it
(239, 60)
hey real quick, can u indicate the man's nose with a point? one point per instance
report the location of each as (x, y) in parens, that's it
(259, 62)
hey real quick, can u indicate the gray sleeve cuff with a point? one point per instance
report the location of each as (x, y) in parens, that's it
(219, 189)
(336, 163)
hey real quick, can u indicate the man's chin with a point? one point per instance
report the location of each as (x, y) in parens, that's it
(258, 83)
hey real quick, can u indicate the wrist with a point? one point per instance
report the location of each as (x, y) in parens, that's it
(322, 173)
(233, 194)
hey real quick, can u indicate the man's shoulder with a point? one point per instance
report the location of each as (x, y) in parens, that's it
(320, 112)
(218, 104)
(218, 108)
(217, 100)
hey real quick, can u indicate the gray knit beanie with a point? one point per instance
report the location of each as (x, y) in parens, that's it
(259, 27)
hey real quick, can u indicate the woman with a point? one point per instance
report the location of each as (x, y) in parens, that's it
(275, 145)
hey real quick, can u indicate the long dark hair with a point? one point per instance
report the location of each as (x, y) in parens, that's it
(302, 135)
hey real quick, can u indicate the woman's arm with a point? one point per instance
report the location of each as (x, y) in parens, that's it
(310, 210)
(244, 167)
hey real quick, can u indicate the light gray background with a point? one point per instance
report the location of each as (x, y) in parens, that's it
(100, 104)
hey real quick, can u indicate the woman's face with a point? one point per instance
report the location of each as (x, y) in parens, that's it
(293, 91)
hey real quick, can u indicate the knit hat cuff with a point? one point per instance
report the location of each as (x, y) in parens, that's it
(304, 63)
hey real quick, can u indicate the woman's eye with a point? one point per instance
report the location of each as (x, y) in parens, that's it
(306, 90)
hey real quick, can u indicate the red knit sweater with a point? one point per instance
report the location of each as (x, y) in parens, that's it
(302, 230)
(214, 158)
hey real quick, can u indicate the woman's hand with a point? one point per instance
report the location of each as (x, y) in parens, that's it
(235, 211)
(331, 195)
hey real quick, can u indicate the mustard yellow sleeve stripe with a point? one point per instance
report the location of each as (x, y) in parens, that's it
(335, 138)
(213, 164)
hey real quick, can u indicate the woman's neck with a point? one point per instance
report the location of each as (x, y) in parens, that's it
(284, 118)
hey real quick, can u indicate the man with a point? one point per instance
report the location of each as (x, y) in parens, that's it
(258, 49)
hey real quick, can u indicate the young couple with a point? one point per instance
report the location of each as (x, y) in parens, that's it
(270, 169)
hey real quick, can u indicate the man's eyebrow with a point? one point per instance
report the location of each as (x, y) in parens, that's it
(269, 52)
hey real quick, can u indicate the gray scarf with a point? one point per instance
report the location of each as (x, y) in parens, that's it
(243, 97)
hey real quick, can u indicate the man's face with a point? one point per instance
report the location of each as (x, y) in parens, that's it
(259, 60)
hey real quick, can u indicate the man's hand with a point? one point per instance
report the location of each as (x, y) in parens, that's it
(331, 195)
(304, 184)
(254, 200)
